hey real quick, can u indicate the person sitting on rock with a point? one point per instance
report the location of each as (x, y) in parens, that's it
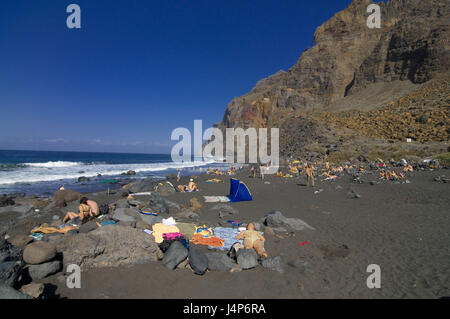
(85, 211)
(253, 239)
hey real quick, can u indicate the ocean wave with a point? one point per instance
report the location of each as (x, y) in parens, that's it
(39, 172)
(54, 164)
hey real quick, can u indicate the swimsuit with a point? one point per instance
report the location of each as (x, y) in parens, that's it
(251, 235)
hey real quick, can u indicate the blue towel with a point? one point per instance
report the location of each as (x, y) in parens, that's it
(228, 235)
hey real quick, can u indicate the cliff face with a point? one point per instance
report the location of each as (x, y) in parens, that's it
(346, 59)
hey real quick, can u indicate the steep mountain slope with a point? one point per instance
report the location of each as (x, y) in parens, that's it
(352, 67)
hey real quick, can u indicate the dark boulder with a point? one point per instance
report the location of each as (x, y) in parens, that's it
(87, 227)
(62, 197)
(9, 252)
(247, 258)
(7, 292)
(44, 270)
(175, 255)
(6, 201)
(10, 273)
(198, 261)
(219, 262)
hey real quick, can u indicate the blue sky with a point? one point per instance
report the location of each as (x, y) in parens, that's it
(136, 70)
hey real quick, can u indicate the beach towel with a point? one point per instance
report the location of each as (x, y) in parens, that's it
(204, 231)
(107, 222)
(215, 199)
(186, 229)
(228, 235)
(159, 229)
(198, 239)
(51, 230)
(37, 236)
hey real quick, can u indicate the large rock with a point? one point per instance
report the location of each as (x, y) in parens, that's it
(108, 246)
(225, 210)
(20, 240)
(274, 263)
(7, 292)
(10, 272)
(166, 189)
(219, 262)
(21, 209)
(39, 252)
(89, 226)
(198, 261)
(6, 201)
(174, 255)
(158, 204)
(9, 252)
(150, 219)
(247, 258)
(195, 205)
(145, 185)
(186, 213)
(277, 221)
(62, 197)
(125, 214)
(41, 271)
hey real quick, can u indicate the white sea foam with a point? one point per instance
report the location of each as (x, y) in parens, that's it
(60, 170)
(54, 164)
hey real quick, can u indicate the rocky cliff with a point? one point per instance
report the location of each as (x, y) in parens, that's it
(351, 67)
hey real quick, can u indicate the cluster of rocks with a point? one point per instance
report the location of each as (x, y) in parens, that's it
(20, 268)
(180, 257)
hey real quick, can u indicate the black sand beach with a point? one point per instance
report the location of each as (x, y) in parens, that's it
(400, 226)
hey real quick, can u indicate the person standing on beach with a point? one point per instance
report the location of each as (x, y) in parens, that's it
(309, 175)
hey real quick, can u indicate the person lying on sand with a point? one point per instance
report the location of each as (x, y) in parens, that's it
(253, 239)
(408, 168)
(191, 187)
(87, 209)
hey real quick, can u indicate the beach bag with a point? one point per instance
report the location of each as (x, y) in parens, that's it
(103, 209)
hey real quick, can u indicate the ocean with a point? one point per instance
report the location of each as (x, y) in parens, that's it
(43, 172)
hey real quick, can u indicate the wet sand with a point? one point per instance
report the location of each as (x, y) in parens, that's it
(402, 227)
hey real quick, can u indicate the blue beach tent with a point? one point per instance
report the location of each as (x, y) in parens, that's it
(239, 191)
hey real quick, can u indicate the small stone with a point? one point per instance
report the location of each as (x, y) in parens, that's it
(34, 290)
(274, 263)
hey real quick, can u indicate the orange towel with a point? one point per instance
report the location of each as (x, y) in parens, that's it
(50, 230)
(210, 241)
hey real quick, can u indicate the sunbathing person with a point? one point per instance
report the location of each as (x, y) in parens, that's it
(253, 239)
(191, 187)
(85, 211)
